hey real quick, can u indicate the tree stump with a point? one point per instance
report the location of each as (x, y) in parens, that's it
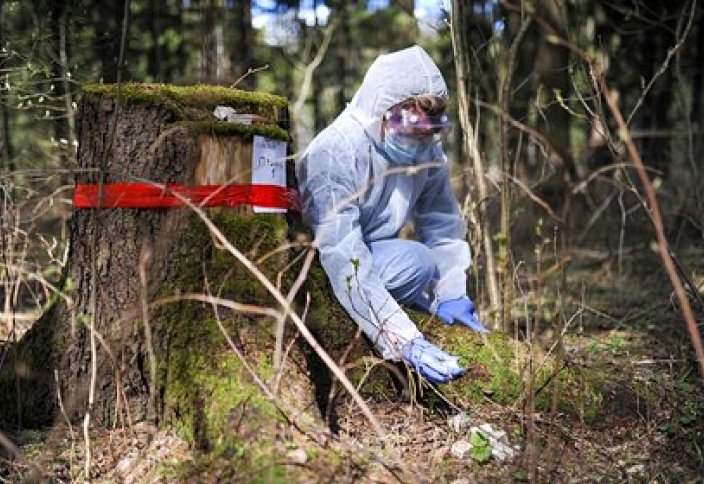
(123, 261)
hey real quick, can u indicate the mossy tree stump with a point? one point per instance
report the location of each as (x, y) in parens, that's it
(122, 260)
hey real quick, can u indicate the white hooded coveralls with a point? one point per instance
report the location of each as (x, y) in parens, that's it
(354, 196)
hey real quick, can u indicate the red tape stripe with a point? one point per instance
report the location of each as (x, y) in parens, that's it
(144, 195)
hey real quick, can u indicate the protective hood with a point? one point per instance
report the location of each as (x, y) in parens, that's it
(388, 82)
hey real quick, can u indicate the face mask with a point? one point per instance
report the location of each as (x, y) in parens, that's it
(406, 150)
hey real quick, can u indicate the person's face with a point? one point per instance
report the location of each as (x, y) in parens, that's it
(418, 119)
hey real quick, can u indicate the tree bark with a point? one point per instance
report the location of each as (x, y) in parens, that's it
(121, 260)
(106, 247)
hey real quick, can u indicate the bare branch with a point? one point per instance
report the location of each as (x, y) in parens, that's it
(665, 64)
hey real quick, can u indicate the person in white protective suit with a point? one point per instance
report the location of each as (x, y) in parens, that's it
(379, 165)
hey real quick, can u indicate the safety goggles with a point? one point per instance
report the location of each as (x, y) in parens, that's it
(409, 119)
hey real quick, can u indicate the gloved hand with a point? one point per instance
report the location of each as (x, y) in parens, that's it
(461, 309)
(430, 361)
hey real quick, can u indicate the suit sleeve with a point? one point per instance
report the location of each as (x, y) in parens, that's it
(330, 195)
(440, 226)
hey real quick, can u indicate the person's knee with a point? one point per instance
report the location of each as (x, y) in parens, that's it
(413, 268)
(423, 262)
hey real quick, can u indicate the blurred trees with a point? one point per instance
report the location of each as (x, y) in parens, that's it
(540, 127)
(547, 143)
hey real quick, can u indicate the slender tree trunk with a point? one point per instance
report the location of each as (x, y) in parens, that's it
(318, 87)
(342, 52)
(6, 154)
(108, 20)
(477, 174)
(554, 87)
(654, 117)
(508, 149)
(155, 56)
(243, 59)
(64, 127)
(208, 42)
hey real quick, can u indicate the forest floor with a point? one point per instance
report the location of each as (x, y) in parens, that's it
(648, 425)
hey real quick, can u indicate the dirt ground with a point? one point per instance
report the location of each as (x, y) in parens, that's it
(648, 425)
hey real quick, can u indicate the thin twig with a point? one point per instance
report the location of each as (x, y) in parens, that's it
(226, 303)
(665, 64)
(536, 198)
(280, 322)
(249, 72)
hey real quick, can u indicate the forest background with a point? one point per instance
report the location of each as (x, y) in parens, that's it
(565, 238)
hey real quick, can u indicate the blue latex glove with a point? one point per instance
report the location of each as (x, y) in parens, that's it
(430, 361)
(461, 309)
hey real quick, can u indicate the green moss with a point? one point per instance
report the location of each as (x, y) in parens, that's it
(208, 395)
(331, 323)
(498, 370)
(580, 392)
(257, 236)
(492, 366)
(179, 99)
(197, 95)
(214, 398)
(242, 130)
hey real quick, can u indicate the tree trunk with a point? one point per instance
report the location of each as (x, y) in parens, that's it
(243, 59)
(209, 55)
(64, 126)
(105, 249)
(155, 56)
(554, 85)
(477, 175)
(342, 40)
(124, 260)
(109, 18)
(6, 165)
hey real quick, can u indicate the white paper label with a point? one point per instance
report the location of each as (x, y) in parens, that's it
(268, 167)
